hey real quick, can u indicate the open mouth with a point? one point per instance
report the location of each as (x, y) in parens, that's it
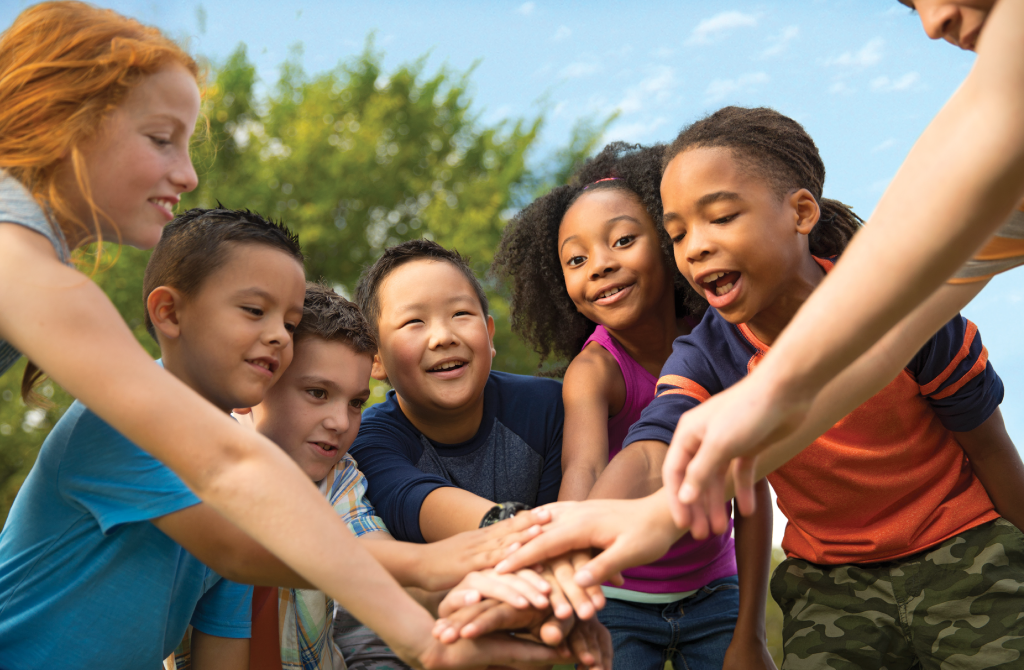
(327, 449)
(447, 366)
(166, 205)
(720, 283)
(263, 363)
(612, 294)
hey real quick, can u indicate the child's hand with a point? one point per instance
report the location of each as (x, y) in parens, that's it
(489, 616)
(591, 643)
(566, 595)
(520, 590)
(746, 651)
(447, 562)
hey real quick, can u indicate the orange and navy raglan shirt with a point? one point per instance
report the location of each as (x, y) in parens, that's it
(887, 481)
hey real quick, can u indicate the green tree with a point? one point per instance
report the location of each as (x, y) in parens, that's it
(354, 159)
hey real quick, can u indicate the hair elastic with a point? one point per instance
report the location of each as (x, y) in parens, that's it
(599, 181)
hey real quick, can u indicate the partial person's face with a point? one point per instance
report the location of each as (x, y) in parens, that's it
(233, 337)
(611, 258)
(138, 163)
(959, 22)
(436, 344)
(313, 412)
(735, 240)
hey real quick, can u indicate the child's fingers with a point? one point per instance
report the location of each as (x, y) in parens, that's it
(594, 592)
(559, 603)
(584, 647)
(451, 629)
(565, 573)
(715, 501)
(554, 631)
(514, 589)
(499, 617)
(456, 599)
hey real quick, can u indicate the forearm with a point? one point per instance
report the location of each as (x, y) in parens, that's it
(997, 464)
(958, 184)
(753, 558)
(578, 480)
(403, 560)
(635, 472)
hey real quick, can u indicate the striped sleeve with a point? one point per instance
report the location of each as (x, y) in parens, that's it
(686, 381)
(956, 377)
(348, 498)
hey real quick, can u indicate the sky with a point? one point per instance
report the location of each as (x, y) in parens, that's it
(860, 75)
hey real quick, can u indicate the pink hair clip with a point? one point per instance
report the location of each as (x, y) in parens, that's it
(599, 181)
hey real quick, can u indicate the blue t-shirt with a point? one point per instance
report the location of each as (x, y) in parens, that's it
(516, 454)
(18, 206)
(85, 579)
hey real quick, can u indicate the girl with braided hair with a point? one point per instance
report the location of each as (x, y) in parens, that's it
(593, 283)
(902, 516)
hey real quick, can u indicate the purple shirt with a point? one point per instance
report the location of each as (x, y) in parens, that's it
(689, 563)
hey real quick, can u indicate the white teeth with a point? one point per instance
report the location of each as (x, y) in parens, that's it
(611, 291)
(262, 364)
(713, 277)
(446, 366)
(722, 290)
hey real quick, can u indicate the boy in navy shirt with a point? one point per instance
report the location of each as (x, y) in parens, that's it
(453, 438)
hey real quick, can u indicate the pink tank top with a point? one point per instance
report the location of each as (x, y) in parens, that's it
(689, 564)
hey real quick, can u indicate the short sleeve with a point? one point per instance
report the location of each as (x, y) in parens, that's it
(687, 379)
(225, 610)
(114, 480)
(348, 498)
(956, 377)
(387, 456)
(18, 206)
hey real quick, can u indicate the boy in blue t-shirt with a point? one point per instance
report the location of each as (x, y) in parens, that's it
(104, 558)
(453, 438)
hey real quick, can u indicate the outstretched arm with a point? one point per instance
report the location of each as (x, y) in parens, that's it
(958, 184)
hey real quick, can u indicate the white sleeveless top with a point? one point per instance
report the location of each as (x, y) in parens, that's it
(18, 206)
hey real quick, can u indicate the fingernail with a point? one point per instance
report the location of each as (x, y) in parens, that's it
(512, 547)
(533, 530)
(522, 602)
(563, 612)
(687, 493)
(503, 566)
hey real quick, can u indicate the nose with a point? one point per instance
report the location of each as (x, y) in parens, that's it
(276, 333)
(183, 173)
(699, 245)
(337, 421)
(604, 263)
(441, 334)
(941, 21)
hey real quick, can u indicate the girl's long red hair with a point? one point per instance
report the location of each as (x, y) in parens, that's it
(64, 66)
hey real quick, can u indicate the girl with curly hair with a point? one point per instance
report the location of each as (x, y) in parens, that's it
(593, 282)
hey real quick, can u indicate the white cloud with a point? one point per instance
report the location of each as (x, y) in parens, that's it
(723, 88)
(654, 89)
(526, 9)
(563, 33)
(781, 41)
(840, 88)
(884, 145)
(869, 54)
(581, 69)
(709, 29)
(883, 83)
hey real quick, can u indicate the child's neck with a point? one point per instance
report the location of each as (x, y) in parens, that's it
(445, 426)
(769, 323)
(173, 364)
(649, 340)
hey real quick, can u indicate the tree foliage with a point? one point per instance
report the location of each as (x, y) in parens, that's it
(354, 159)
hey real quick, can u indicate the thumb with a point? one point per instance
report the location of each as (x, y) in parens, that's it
(608, 565)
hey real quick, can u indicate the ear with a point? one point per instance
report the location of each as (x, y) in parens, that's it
(806, 210)
(490, 335)
(163, 305)
(377, 371)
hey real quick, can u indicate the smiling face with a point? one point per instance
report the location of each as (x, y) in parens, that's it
(959, 22)
(313, 412)
(138, 162)
(232, 339)
(435, 340)
(736, 241)
(611, 259)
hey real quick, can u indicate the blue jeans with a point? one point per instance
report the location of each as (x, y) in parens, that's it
(693, 632)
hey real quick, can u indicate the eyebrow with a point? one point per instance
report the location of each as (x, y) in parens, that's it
(316, 380)
(255, 291)
(717, 196)
(614, 219)
(175, 121)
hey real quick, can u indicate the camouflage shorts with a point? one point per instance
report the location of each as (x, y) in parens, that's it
(957, 605)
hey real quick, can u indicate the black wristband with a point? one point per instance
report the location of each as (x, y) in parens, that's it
(502, 511)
